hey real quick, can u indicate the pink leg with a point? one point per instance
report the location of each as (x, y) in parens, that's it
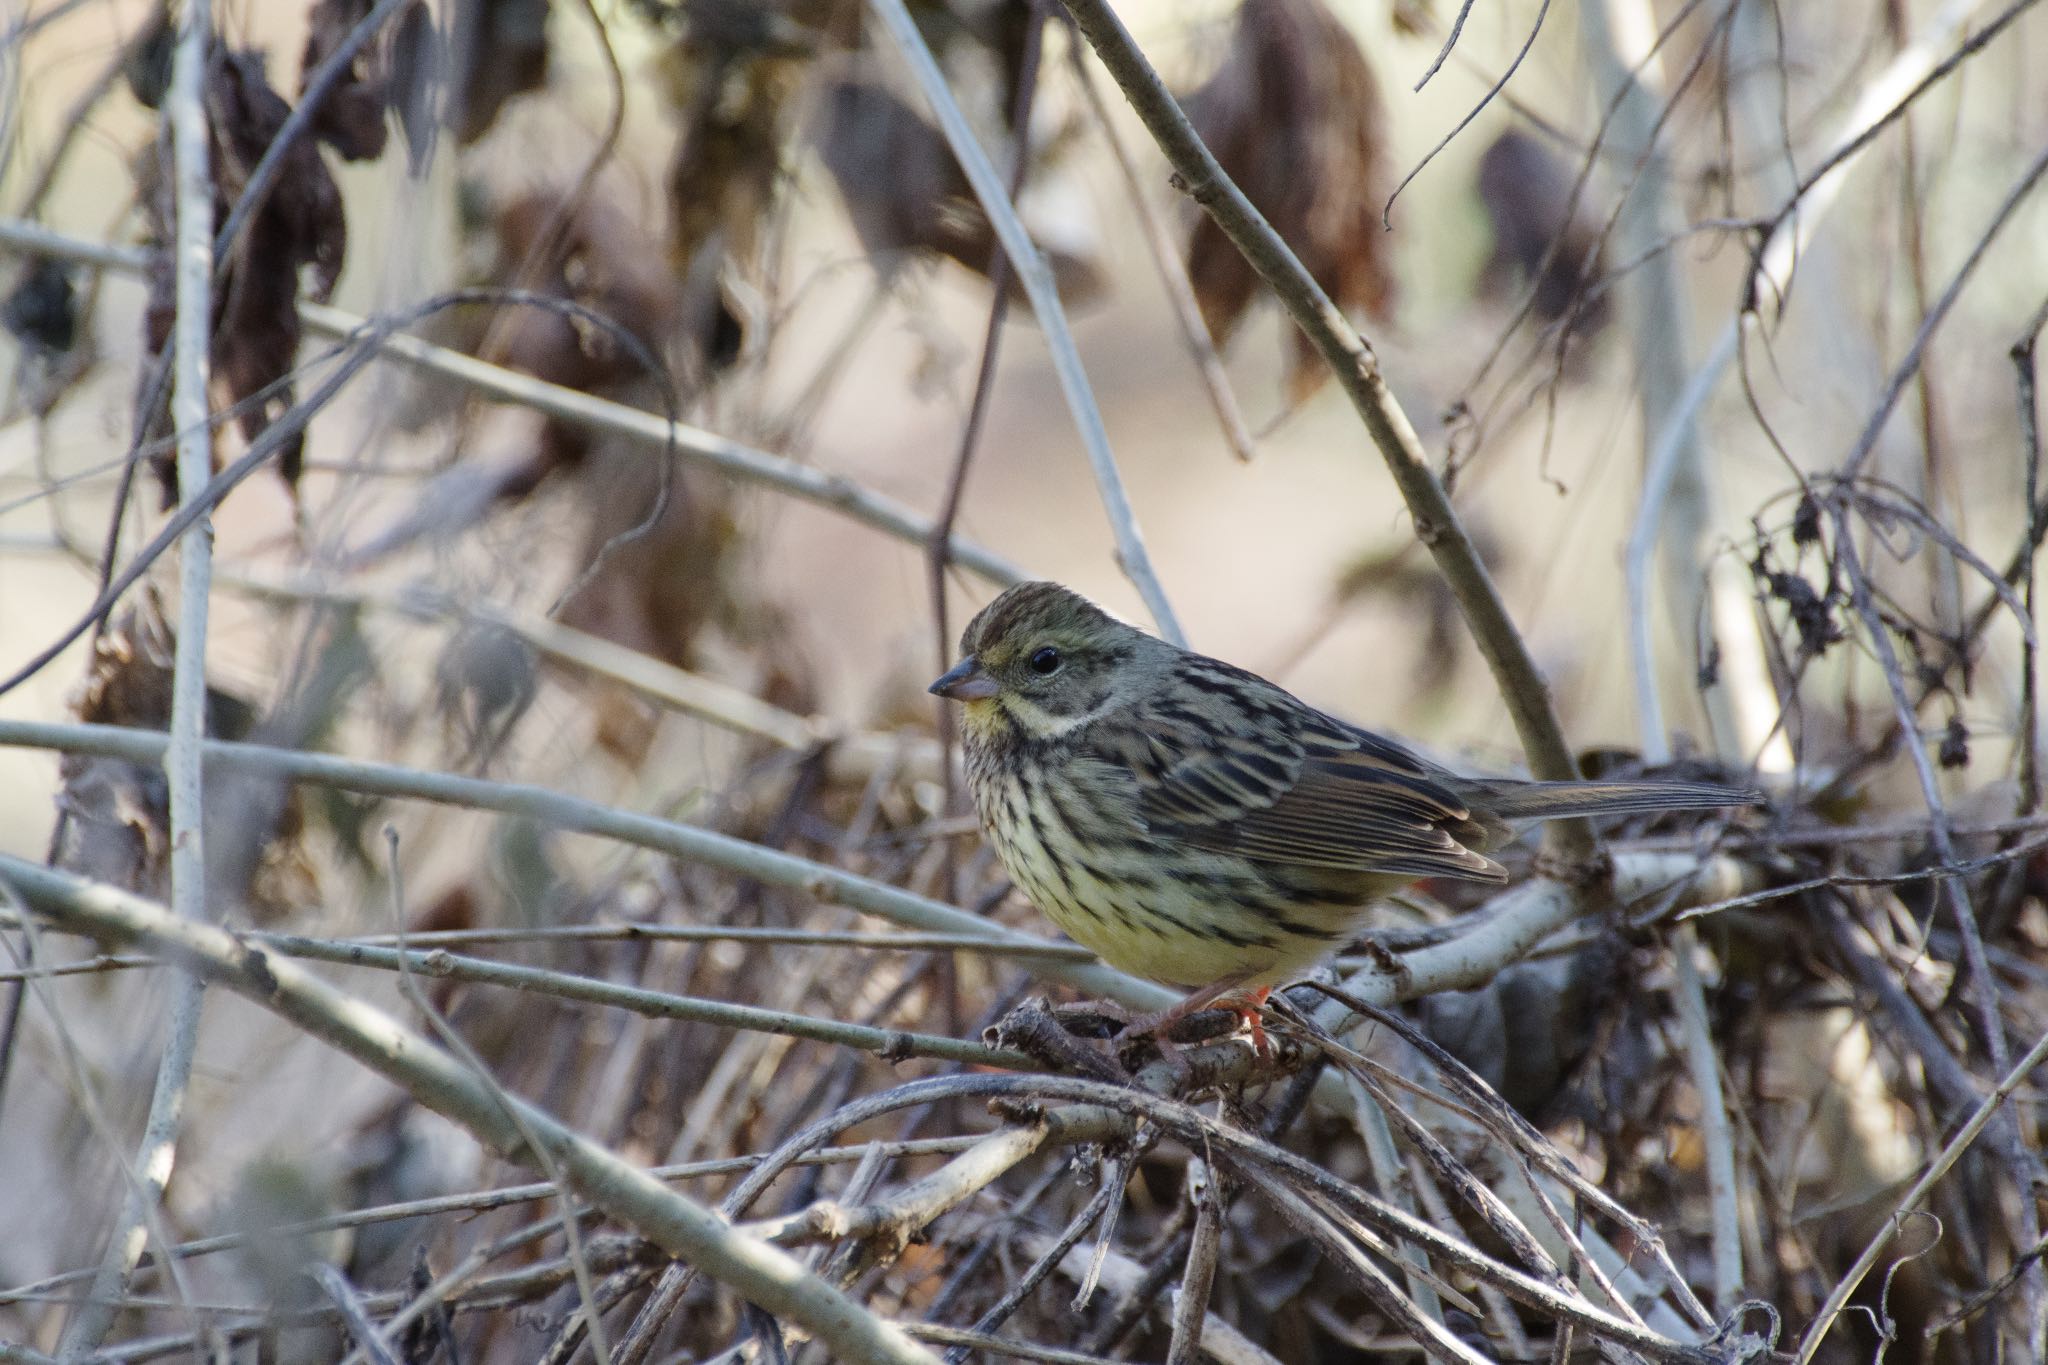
(1247, 1007)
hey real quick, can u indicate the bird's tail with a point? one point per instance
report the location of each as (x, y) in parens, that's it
(1560, 800)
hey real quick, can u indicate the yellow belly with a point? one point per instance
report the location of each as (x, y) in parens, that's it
(1171, 914)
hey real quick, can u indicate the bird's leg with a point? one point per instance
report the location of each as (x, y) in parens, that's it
(1247, 1007)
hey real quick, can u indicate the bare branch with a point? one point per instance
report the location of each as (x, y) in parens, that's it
(1036, 278)
(759, 1272)
(1522, 688)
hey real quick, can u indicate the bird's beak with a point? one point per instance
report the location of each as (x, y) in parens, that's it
(965, 681)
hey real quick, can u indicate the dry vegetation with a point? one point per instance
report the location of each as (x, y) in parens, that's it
(570, 812)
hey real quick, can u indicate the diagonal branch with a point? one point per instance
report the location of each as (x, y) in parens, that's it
(732, 458)
(760, 1273)
(561, 811)
(186, 127)
(1036, 279)
(1522, 687)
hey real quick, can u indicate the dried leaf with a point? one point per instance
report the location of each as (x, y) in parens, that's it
(41, 313)
(656, 588)
(146, 65)
(350, 117)
(590, 252)
(1527, 191)
(659, 587)
(906, 195)
(1294, 116)
(300, 222)
(116, 813)
(499, 49)
(729, 84)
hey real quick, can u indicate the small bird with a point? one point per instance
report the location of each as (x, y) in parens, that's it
(1199, 826)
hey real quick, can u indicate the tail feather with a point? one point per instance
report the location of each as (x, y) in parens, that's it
(1561, 800)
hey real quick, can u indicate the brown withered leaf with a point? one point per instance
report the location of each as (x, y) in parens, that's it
(906, 194)
(300, 222)
(499, 49)
(656, 588)
(1294, 116)
(52, 352)
(117, 814)
(903, 190)
(1527, 190)
(729, 79)
(41, 311)
(590, 252)
(146, 63)
(350, 117)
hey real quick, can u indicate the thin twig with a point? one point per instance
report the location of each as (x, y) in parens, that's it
(1884, 97)
(1308, 1216)
(1715, 1132)
(1660, 321)
(936, 548)
(1979, 1119)
(2025, 383)
(1450, 42)
(630, 931)
(1105, 1196)
(1092, 1111)
(1173, 272)
(762, 1274)
(1391, 1175)
(369, 1341)
(530, 1141)
(891, 1043)
(832, 491)
(1036, 278)
(85, 1091)
(765, 865)
(1521, 55)
(186, 114)
(1909, 364)
(1984, 993)
(1523, 690)
(1198, 1277)
(486, 1200)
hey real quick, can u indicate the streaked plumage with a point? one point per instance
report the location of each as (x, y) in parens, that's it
(1197, 825)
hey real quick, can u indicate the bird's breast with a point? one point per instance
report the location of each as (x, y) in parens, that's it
(1154, 907)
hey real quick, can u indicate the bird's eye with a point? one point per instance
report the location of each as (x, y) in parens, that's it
(1045, 662)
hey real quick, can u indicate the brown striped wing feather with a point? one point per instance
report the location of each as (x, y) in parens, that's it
(1280, 782)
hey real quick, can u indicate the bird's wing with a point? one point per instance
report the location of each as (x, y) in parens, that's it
(1263, 776)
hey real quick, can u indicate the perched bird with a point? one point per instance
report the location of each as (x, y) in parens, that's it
(1197, 825)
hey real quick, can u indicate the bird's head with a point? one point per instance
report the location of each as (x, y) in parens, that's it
(1041, 660)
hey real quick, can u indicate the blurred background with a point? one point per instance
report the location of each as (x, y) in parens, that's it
(756, 195)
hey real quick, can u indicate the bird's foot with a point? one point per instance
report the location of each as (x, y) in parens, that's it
(1213, 1012)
